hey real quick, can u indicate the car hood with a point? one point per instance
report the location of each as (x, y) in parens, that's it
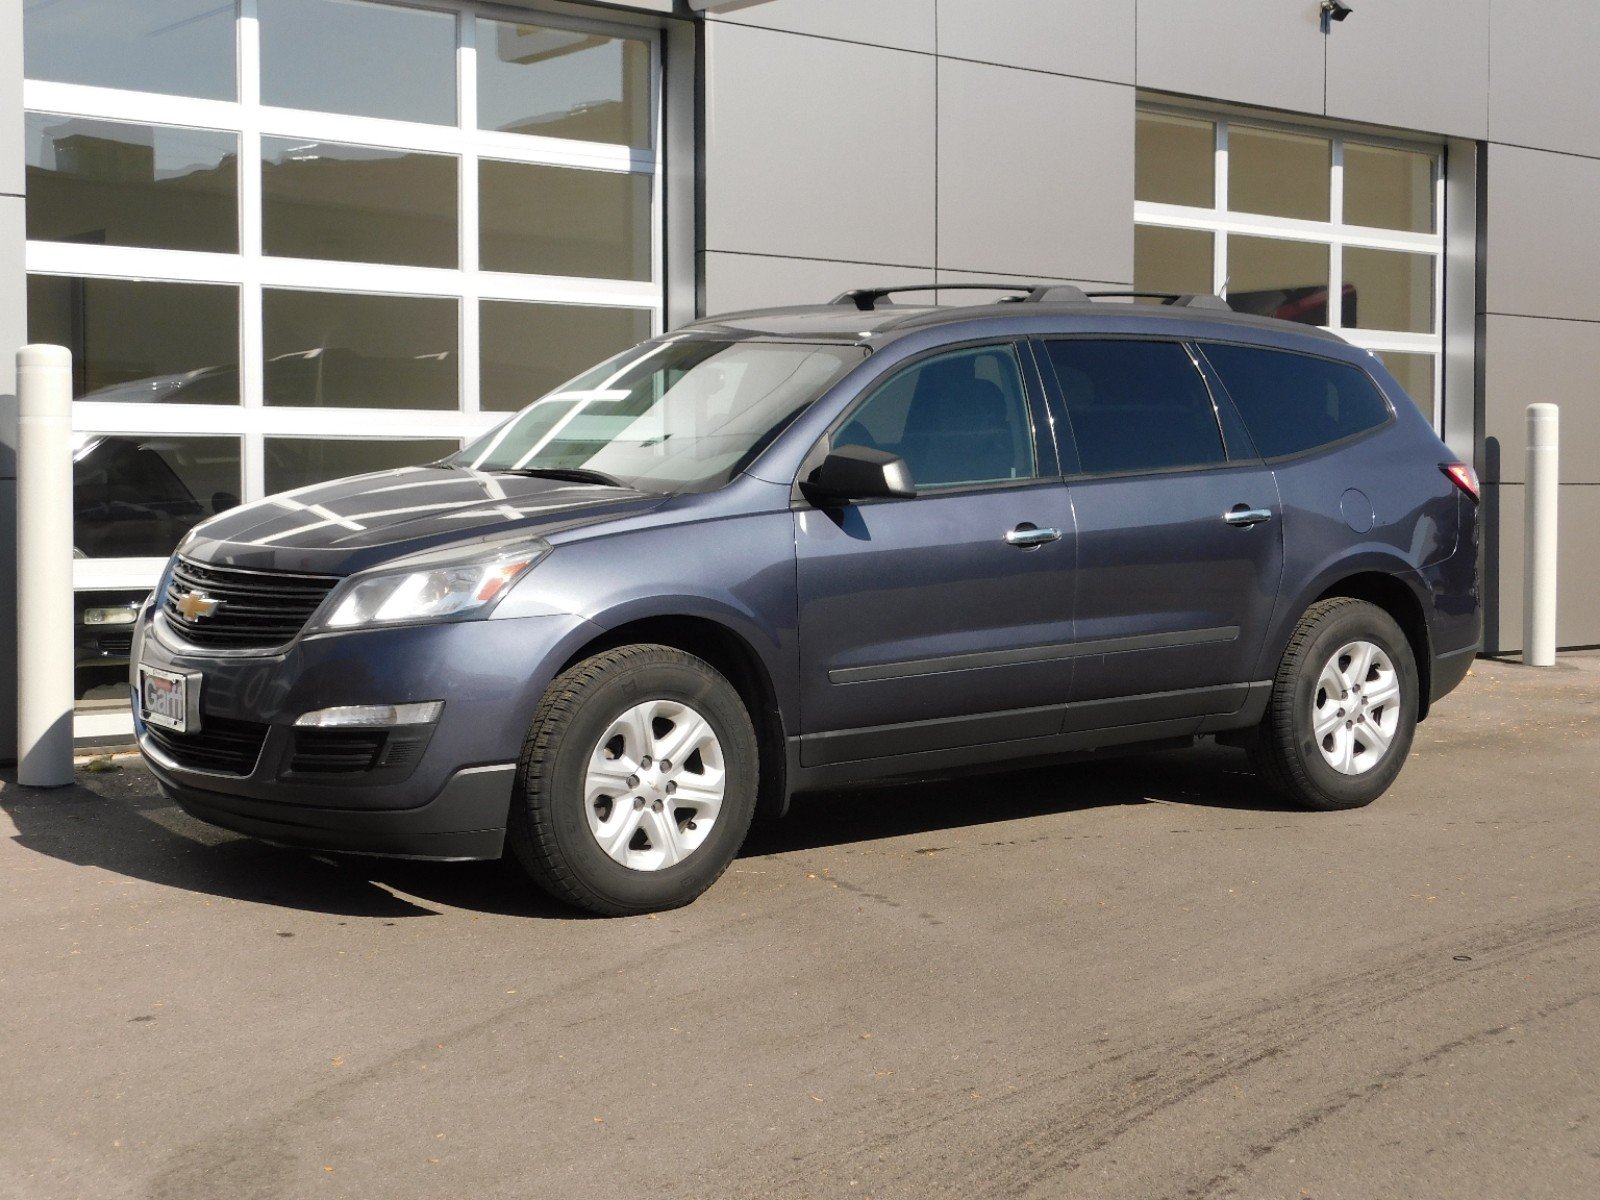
(351, 524)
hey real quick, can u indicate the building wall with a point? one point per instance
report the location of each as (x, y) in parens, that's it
(908, 141)
(13, 334)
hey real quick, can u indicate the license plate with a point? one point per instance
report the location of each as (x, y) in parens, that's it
(164, 698)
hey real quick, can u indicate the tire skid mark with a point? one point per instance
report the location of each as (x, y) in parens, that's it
(1131, 1084)
(1408, 1070)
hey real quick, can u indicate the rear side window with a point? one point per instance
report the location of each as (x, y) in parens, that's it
(1136, 406)
(1292, 403)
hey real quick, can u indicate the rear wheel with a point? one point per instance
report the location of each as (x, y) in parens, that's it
(1343, 707)
(637, 782)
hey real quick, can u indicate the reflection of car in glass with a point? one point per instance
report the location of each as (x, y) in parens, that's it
(805, 548)
(134, 497)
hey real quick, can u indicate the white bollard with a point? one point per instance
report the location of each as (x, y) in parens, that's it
(44, 566)
(1539, 540)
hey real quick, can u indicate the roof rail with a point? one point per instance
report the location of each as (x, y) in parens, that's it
(1173, 299)
(866, 299)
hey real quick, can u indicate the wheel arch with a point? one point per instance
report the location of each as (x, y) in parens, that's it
(736, 659)
(1397, 598)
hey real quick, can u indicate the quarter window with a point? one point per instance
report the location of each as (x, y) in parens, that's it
(1136, 406)
(956, 419)
(1292, 403)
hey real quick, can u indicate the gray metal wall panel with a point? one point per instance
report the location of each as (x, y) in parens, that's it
(737, 281)
(1091, 38)
(1542, 87)
(13, 335)
(1035, 173)
(1541, 254)
(1534, 361)
(1405, 63)
(797, 163)
(1253, 51)
(1577, 576)
(11, 154)
(906, 24)
(966, 297)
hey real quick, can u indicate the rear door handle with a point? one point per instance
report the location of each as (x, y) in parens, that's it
(1240, 515)
(1026, 535)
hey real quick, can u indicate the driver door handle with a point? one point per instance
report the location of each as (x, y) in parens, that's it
(1026, 535)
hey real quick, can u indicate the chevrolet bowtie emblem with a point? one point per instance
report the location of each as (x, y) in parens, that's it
(194, 605)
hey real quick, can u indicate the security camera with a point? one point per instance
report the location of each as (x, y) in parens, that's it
(1336, 10)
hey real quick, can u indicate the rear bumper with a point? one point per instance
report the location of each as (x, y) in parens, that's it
(1448, 672)
(466, 819)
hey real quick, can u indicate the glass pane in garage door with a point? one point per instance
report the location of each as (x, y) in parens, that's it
(530, 349)
(359, 58)
(140, 342)
(565, 83)
(136, 495)
(297, 462)
(337, 350)
(121, 184)
(358, 203)
(546, 220)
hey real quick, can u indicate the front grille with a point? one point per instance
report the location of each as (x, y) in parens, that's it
(221, 745)
(336, 751)
(256, 611)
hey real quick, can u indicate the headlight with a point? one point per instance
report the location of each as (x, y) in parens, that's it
(436, 586)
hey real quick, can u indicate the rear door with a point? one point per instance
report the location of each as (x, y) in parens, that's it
(1180, 532)
(943, 620)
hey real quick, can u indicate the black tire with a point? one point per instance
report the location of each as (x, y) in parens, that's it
(549, 828)
(1287, 753)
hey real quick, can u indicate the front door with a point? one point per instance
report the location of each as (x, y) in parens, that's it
(942, 620)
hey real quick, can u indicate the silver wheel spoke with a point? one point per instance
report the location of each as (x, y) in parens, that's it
(615, 837)
(1325, 720)
(1344, 744)
(1331, 682)
(1384, 689)
(700, 794)
(689, 732)
(1376, 738)
(1360, 662)
(662, 831)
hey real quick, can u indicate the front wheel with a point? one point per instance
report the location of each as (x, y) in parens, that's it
(1343, 708)
(637, 782)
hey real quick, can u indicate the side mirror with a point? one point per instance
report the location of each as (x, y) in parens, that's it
(858, 473)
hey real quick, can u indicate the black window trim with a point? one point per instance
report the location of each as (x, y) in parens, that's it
(1041, 423)
(1349, 439)
(1072, 468)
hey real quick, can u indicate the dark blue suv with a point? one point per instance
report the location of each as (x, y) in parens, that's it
(801, 548)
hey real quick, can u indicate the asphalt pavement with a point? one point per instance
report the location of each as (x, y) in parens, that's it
(1139, 978)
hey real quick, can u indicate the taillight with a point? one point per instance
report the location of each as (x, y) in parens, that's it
(1463, 476)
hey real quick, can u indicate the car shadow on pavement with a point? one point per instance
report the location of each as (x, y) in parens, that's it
(1207, 776)
(119, 822)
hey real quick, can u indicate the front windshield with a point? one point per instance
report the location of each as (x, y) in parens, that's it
(682, 415)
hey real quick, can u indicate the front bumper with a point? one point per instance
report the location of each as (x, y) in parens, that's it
(447, 798)
(466, 820)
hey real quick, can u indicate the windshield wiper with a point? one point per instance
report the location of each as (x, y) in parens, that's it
(575, 474)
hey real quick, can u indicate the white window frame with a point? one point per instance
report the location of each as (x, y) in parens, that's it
(250, 271)
(1222, 223)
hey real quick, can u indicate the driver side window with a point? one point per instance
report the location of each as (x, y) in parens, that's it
(956, 419)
